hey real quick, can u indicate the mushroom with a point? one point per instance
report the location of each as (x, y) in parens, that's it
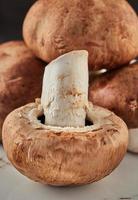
(20, 71)
(106, 29)
(118, 91)
(46, 149)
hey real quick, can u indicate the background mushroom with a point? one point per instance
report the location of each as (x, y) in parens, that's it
(117, 90)
(66, 153)
(106, 29)
(20, 77)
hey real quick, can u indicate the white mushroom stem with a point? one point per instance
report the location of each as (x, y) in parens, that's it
(65, 90)
(133, 140)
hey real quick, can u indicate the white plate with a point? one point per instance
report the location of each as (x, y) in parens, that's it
(122, 184)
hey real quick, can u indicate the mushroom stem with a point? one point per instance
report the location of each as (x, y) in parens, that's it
(65, 90)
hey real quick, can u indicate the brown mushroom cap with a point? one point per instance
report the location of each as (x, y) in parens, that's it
(107, 29)
(118, 91)
(64, 156)
(21, 75)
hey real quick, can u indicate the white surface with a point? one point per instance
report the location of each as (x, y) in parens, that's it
(133, 140)
(122, 184)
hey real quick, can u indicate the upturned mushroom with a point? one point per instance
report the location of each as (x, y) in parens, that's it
(20, 71)
(118, 91)
(107, 29)
(48, 141)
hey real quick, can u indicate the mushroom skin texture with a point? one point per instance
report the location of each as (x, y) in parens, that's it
(107, 29)
(64, 156)
(118, 91)
(21, 75)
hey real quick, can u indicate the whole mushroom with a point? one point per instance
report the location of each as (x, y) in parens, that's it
(21, 76)
(48, 141)
(107, 29)
(117, 91)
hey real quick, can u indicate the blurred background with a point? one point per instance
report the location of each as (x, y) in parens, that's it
(12, 13)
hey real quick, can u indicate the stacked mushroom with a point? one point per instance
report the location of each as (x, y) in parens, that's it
(108, 30)
(20, 71)
(63, 139)
(117, 90)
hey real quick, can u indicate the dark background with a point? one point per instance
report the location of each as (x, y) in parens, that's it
(12, 13)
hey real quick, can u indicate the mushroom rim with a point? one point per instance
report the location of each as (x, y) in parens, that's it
(100, 117)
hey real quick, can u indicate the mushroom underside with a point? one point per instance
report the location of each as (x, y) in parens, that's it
(64, 156)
